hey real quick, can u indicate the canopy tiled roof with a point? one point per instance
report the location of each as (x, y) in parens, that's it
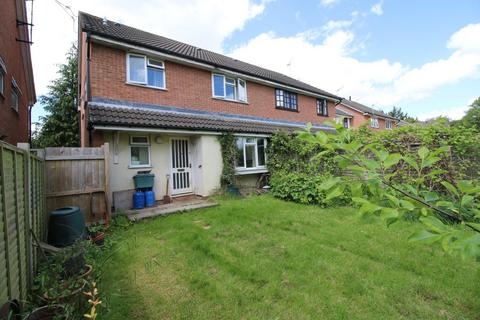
(116, 31)
(342, 113)
(106, 112)
(363, 108)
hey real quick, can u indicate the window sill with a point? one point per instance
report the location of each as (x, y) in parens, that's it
(322, 115)
(140, 167)
(240, 172)
(233, 101)
(145, 86)
(287, 109)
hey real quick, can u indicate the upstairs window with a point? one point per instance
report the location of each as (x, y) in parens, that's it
(228, 88)
(286, 100)
(146, 71)
(388, 124)
(15, 94)
(3, 72)
(251, 153)
(139, 152)
(374, 123)
(322, 108)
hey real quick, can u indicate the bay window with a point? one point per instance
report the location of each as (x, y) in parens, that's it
(229, 88)
(145, 71)
(250, 153)
(139, 152)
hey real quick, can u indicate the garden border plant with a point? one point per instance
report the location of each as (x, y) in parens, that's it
(450, 218)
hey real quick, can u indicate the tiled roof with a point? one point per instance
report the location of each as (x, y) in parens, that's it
(106, 112)
(342, 113)
(123, 33)
(363, 108)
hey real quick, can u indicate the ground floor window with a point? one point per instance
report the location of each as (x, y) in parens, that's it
(251, 153)
(388, 124)
(139, 151)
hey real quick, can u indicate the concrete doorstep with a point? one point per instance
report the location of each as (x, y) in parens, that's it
(164, 209)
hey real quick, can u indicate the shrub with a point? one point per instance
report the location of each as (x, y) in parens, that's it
(304, 188)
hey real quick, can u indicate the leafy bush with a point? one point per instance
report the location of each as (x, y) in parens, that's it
(306, 189)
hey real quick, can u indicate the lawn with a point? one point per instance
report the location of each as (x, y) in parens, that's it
(263, 258)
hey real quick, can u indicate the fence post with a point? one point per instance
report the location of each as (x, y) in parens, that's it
(28, 216)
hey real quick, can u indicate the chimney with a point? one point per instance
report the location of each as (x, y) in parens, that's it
(350, 98)
(104, 21)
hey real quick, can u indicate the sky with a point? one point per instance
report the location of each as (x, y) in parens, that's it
(421, 56)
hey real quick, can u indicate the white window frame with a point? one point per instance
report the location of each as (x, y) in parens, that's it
(257, 167)
(3, 72)
(374, 123)
(388, 124)
(15, 91)
(237, 86)
(140, 144)
(146, 64)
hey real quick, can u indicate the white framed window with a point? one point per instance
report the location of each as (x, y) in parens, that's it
(388, 124)
(139, 151)
(15, 94)
(251, 153)
(3, 72)
(146, 71)
(229, 88)
(374, 123)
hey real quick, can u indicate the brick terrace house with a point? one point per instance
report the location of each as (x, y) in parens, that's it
(17, 90)
(353, 114)
(161, 105)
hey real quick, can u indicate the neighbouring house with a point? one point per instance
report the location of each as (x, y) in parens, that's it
(353, 114)
(161, 105)
(17, 89)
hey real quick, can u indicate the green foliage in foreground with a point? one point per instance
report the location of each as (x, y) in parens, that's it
(264, 258)
(451, 218)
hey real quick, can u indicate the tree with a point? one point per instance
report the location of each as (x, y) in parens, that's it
(60, 126)
(472, 117)
(399, 114)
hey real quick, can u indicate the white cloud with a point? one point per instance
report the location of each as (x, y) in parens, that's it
(377, 8)
(453, 113)
(328, 3)
(204, 23)
(330, 65)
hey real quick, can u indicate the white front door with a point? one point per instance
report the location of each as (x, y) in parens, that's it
(181, 167)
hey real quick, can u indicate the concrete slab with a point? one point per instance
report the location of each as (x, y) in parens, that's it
(164, 209)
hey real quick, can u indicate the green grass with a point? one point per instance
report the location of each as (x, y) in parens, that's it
(262, 258)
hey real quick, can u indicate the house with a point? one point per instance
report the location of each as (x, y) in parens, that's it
(161, 105)
(353, 114)
(17, 89)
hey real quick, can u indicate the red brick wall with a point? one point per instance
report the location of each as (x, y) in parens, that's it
(13, 124)
(191, 88)
(359, 119)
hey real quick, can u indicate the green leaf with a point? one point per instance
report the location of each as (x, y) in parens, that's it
(424, 236)
(430, 196)
(466, 200)
(430, 161)
(389, 215)
(433, 224)
(466, 186)
(445, 204)
(423, 152)
(359, 200)
(329, 183)
(381, 154)
(321, 137)
(369, 208)
(450, 187)
(334, 193)
(395, 201)
(411, 162)
(392, 160)
(440, 150)
(407, 205)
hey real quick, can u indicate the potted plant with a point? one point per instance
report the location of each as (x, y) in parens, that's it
(96, 232)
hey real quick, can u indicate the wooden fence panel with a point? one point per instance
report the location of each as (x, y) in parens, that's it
(78, 177)
(16, 251)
